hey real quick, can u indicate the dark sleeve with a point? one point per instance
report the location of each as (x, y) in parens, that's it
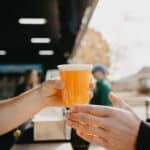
(143, 139)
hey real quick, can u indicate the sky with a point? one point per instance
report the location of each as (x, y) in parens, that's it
(125, 24)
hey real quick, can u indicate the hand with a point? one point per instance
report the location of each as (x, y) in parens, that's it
(50, 91)
(112, 128)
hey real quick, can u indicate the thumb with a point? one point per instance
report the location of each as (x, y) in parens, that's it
(50, 88)
(117, 102)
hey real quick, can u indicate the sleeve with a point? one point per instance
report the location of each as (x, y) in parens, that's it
(143, 139)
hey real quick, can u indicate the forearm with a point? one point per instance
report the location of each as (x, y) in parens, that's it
(143, 137)
(15, 111)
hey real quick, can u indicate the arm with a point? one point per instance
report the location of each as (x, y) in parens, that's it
(15, 111)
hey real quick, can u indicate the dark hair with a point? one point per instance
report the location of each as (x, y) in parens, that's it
(100, 68)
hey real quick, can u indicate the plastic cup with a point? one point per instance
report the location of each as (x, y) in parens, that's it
(77, 80)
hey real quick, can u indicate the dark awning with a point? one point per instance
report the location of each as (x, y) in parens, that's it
(61, 22)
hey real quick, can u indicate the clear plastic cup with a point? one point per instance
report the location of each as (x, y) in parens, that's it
(76, 78)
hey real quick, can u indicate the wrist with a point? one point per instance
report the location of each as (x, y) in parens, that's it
(40, 97)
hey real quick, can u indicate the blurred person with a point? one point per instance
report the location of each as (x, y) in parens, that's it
(100, 97)
(103, 87)
(21, 80)
(115, 128)
(31, 80)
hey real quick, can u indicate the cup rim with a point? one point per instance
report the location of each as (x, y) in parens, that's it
(75, 67)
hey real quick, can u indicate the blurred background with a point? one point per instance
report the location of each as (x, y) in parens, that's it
(38, 35)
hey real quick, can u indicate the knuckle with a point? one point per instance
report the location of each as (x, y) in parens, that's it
(83, 117)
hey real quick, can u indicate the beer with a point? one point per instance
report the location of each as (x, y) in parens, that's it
(77, 80)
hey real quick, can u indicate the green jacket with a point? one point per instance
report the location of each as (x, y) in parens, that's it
(101, 93)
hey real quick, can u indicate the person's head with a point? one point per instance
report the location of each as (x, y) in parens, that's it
(31, 77)
(99, 72)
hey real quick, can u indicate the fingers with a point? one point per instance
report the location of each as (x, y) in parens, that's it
(55, 101)
(88, 129)
(56, 84)
(115, 100)
(50, 88)
(93, 139)
(93, 109)
(87, 119)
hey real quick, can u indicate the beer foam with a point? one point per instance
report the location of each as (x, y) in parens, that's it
(75, 67)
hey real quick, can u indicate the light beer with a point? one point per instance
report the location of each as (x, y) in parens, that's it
(77, 80)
